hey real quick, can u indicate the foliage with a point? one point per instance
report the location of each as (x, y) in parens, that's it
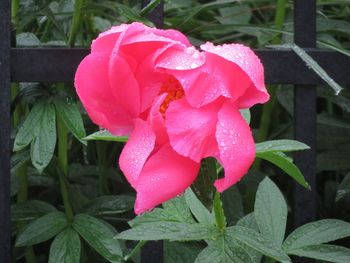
(253, 225)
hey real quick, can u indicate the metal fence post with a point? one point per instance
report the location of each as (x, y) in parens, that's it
(305, 116)
(5, 118)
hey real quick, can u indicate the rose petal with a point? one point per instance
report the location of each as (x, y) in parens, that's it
(249, 65)
(92, 86)
(165, 175)
(236, 146)
(136, 151)
(192, 130)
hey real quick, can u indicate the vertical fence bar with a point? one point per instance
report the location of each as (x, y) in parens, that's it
(305, 116)
(152, 252)
(5, 118)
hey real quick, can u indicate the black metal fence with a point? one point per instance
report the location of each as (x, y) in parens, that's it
(281, 67)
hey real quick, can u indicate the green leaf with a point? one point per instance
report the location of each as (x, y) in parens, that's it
(313, 65)
(179, 209)
(69, 113)
(315, 233)
(283, 162)
(218, 211)
(104, 135)
(173, 231)
(203, 186)
(180, 252)
(198, 209)
(109, 205)
(29, 128)
(99, 235)
(30, 210)
(150, 7)
(249, 221)
(27, 39)
(42, 229)
(223, 250)
(343, 188)
(271, 212)
(256, 241)
(43, 145)
(246, 115)
(175, 210)
(329, 253)
(233, 205)
(65, 247)
(18, 159)
(280, 146)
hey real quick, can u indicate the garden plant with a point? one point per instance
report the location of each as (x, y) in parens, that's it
(171, 134)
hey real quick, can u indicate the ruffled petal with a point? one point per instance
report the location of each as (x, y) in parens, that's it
(136, 151)
(165, 175)
(106, 40)
(236, 146)
(248, 74)
(124, 85)
(192, 130)
(92, 86)
(156, 121)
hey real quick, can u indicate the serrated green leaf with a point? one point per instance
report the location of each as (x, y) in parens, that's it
(42, 229)
(69, 113)
(285, 164)
(329, 253)
(29, 128)
(30, 210)
(156, 215)
(173, 231)
(256, 241)
(179, 209)
(180, 252)
(223, 250)
(43, 145)
(175, 210)
(65, 247)
(250, 222)
(280, 146)
(271, 212)
(109, 204)
(99, 235)
(315, 233)
(104, 135)
(198, 209)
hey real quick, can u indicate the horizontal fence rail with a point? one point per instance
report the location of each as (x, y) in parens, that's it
(281, 66)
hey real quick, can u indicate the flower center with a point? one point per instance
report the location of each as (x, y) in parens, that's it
(174, 92)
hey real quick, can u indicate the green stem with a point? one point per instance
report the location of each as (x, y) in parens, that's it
(135, 250)
(63, 165)
(76, 22)
(268, 108)
(219, 212)
(14, 11)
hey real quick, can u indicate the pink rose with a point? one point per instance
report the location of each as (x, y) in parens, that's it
(178, 105)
